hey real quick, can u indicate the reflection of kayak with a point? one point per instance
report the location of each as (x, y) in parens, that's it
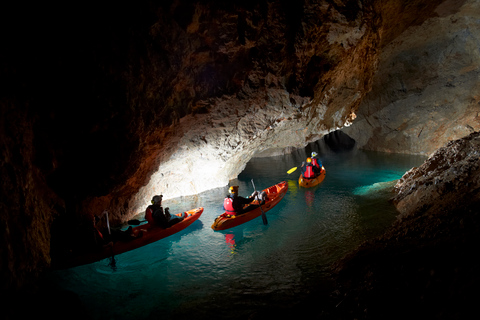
(149, 234)
(274, 195)
(308, 183)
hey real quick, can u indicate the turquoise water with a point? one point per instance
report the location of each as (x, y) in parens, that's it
(202, 274)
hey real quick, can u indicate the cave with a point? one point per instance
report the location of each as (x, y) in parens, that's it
(104, 106)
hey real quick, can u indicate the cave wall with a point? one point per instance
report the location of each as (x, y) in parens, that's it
(426, 90)
(104, 106)
(425, 263)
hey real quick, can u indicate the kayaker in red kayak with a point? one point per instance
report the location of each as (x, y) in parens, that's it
(233, 203)
(156, 215)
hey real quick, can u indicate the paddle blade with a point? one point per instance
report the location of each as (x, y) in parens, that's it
(135, 222)
(264, 218)
(291, 170)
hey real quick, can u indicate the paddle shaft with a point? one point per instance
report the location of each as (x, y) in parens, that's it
(264, 217)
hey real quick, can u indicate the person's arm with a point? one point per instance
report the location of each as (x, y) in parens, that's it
(247, 200)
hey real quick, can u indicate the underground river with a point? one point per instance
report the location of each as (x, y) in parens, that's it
(203, 274)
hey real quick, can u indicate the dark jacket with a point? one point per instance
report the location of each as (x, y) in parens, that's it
(154, 214)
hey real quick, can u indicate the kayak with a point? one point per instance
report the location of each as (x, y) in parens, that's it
(312, 182)
(147, 233)
(274, 194)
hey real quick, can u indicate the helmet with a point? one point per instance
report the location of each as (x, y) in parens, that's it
(157, 199)
(233, 189)
(314, 154)
(309, 159)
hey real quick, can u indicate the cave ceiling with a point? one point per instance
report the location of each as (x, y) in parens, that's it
(120, 102)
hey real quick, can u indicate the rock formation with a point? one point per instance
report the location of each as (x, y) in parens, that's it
(424, 266)
(425, 92)
(101, 109)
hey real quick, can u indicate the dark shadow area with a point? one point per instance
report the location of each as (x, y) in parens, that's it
(339, 141)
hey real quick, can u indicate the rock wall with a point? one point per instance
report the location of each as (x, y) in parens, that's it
(234, 81)
(426, 90)
(448, 180)
(425, 265)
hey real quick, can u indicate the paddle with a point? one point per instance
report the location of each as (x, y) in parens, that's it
(135, 222)
(264, 217)
(113, 263)
(291, 170)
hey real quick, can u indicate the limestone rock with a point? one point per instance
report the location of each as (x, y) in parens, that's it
(449, 179)
(426, 90)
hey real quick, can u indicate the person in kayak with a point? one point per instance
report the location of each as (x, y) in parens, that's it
(157, 216)
(316, 162)
(309, 170)
(234, 204)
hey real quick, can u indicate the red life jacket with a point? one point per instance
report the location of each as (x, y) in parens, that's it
(228, 205)
(149, 215)
(315, 162)
(309, 171)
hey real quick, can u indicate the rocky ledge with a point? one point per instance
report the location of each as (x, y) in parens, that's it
(424, 266)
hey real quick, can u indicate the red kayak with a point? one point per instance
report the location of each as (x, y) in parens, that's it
(274, 195)
(147, 234)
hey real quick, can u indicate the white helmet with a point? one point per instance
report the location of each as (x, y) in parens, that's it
(314, 154)
(157, 199)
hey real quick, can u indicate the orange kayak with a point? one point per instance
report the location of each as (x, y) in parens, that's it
(312, 182)
(274, 193)
(148, 234)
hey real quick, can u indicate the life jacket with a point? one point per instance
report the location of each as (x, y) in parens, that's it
(309, 173)
(149, 214)
(315, 162)
(228, 205)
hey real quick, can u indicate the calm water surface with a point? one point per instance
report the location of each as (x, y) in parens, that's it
(200, 273)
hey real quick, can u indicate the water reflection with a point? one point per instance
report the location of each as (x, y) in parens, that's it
(230, 240)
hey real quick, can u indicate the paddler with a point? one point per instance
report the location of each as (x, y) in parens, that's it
(315, 161)
(233, 203)
(155, 214)
(309, 170)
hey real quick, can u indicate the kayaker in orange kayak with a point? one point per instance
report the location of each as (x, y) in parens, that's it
(309, 170)
(316, 162)
(234, 204)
